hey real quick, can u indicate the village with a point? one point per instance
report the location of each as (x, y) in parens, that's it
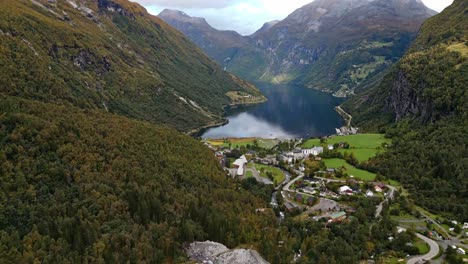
(305, 182)
(323, 180)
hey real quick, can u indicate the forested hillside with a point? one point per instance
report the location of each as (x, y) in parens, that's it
(426, 94)
(110, 55)
(84, 186)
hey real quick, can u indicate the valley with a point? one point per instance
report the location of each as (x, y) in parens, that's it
(334, 134)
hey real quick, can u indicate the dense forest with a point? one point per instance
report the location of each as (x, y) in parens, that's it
(84, 186)
(422, 105)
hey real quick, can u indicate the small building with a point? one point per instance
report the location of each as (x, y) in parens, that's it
(378, 189)
(337, 217)
(298, 155)
(369, 193)
(330, 147)
(290, 206)
(461, 251)
(221, 158)
(465, 225)
(286, 158)
(240, 165)
(313, 151)
(346, 190)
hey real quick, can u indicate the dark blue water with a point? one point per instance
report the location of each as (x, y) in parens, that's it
(291, 111)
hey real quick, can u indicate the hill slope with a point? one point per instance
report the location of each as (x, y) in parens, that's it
(110, 55)
(426, 95)
(84, 186)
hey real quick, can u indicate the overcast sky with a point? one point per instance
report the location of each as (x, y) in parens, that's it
(244, 16)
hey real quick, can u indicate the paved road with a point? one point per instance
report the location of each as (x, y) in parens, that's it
(390, 196)
(257, 176)
(433, 252)
(287, 188)
(343, 114)
(325, 205)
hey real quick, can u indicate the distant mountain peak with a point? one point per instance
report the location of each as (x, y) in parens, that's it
(171, 14)
(266, 27)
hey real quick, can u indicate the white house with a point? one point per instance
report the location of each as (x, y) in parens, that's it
(240, 164)
(369, 193)
(330, 147)
(461, 251)
(314, 151)
(298, 155)
(465, 225)
(378, 189)
(286, 158)
(346, 190)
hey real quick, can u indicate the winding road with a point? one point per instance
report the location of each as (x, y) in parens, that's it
(433, 252)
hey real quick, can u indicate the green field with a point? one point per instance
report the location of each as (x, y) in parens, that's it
(248, 174)
(278, 175)
(364, 146)
(361, 141)
(310, 143)
(351, 170)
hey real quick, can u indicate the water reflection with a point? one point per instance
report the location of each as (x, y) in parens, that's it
(247, 125)
(292, 111)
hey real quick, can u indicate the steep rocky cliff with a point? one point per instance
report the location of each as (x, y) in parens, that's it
(422, 105)
(429, 83)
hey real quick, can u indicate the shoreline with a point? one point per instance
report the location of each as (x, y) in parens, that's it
(198, 131)
(346, 117)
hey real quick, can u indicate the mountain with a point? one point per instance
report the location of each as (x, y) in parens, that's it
(422, 104)
(218, 44)
(337, 46)
(267, 26)
(112, 55)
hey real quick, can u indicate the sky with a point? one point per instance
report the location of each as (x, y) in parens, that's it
(244, 16)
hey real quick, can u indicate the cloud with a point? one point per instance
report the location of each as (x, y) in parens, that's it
(188, 3)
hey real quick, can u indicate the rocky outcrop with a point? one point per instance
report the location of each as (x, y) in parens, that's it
(216, 253)
(404, 101)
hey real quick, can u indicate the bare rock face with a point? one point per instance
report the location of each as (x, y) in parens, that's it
(216, 253)
(405, 101)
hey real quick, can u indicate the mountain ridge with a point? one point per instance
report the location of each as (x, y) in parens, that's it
(114, 56)
(317, 44)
